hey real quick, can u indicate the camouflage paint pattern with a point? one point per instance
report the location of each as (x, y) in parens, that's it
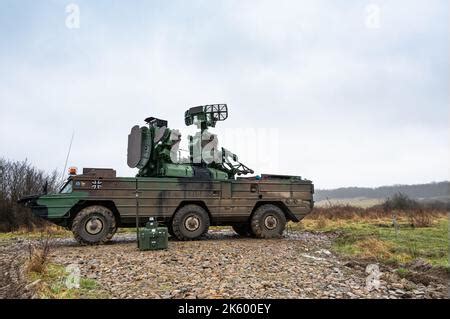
(227, 201)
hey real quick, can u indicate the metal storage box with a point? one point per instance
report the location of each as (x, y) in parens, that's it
(153, 237)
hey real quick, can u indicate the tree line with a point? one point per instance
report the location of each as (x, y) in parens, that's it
(437, 190)
(18, 179)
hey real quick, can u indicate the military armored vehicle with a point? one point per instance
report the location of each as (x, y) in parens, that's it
(185, 194)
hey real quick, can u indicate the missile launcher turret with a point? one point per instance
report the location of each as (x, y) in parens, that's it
(154, 149)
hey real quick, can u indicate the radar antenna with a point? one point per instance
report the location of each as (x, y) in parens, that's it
(206, 115)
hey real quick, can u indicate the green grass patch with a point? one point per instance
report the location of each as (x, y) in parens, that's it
(402, 272)
(52, 285)
(378, 239)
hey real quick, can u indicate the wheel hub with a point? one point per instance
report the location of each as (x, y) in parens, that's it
(94, 226)
(270, 222)
(192, 223)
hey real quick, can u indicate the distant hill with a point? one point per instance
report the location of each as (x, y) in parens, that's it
(430, 191)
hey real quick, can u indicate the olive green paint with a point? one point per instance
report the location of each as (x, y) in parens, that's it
(58, 205)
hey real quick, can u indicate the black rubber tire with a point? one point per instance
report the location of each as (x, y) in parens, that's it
(178, 223)
(170, 230)
(108, 221)
(258, 226)
(243, 230)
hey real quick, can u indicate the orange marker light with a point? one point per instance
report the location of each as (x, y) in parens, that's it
(72, 171)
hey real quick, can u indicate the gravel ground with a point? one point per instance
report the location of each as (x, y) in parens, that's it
(222, 265)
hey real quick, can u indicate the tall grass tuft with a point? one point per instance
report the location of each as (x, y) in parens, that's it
(38, 254)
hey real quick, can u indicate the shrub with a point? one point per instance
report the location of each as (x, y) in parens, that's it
(17, 179)
(420, 218)
(400, 202)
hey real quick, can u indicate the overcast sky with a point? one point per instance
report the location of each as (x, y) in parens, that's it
(341, 92)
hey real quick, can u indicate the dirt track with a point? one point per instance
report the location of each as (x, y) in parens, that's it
(220, 266)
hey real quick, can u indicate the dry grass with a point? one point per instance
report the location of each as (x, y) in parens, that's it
(24, 232)
(38, 254)
(51, 278)
(51, 285)
(357, 202)
(374, 248)
(321, 223)
(420, 217)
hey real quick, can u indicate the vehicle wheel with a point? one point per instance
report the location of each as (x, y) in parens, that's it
(94, 225)
(111, 233)
(243, 230)
(190, 222)
(170, 230)
(268, 221)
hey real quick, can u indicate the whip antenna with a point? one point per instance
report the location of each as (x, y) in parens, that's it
(67, 157)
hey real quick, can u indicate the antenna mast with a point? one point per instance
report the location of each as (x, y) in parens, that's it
(67, 157)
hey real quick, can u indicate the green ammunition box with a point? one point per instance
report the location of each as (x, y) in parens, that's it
(153, 237)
